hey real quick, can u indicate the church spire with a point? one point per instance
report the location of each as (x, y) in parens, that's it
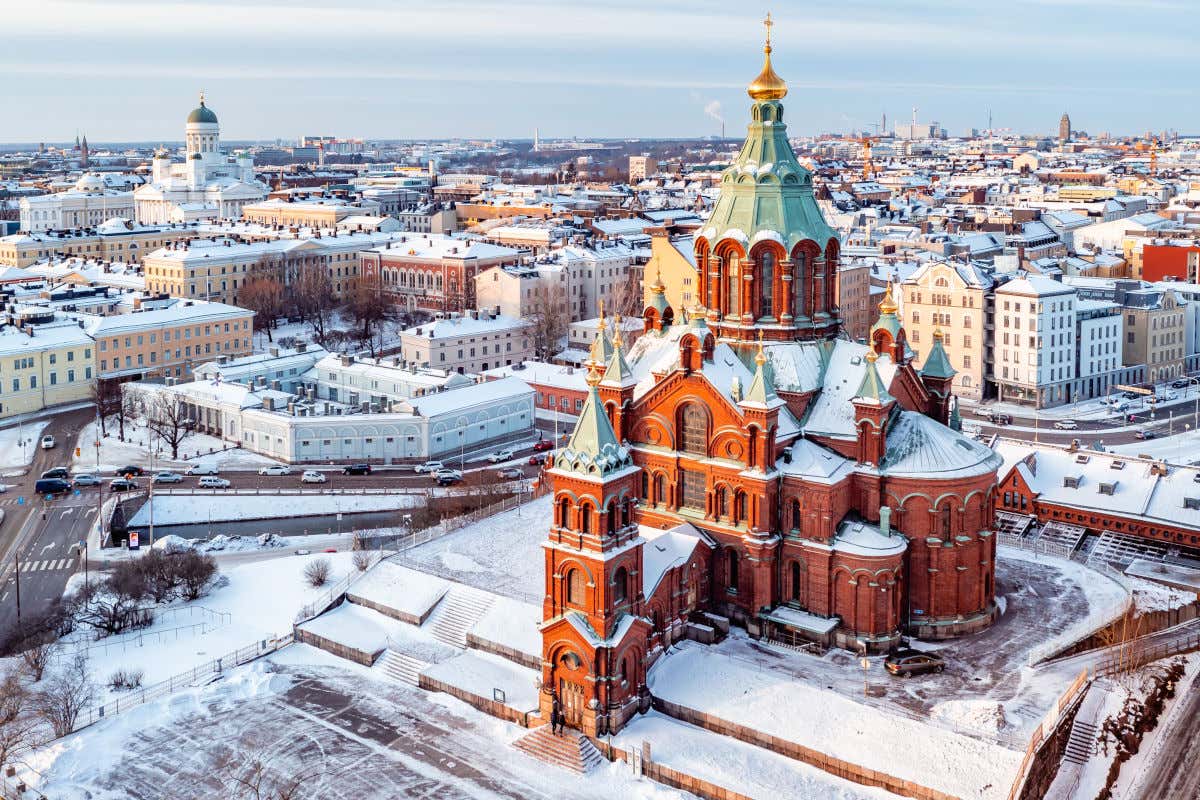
(768, 85)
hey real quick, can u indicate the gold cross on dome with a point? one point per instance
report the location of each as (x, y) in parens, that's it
(768, 23)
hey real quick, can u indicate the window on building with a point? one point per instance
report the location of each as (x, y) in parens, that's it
(694, 491)
(576, 582)
(694, 429)
(731, 561)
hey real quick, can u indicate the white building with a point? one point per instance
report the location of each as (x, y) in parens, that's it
(86, 205)
(376, 382)
(205, 186)
(1098, 341)
(1034, 340)
(469, 343)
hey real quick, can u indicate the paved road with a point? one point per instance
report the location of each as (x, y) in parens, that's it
(1173, 771)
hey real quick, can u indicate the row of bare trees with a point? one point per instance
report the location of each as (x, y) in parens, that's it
(165, 414)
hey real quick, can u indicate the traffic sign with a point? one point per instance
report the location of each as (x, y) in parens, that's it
(133, 540)
(20, 501)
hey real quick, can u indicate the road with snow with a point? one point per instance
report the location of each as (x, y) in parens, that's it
(1173, 772)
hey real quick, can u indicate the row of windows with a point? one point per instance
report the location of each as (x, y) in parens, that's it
(52, 379)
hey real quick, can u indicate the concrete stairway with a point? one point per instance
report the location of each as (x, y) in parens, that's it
(1081, 745)
(400, 667)
(459, 609)
(572, 750)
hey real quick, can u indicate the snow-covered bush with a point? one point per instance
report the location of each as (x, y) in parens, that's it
(317, 572)
(125, 679)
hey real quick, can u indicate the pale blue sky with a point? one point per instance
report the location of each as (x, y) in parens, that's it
(130, 69)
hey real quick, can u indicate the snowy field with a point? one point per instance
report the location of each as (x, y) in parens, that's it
(15, 456)
(185, 509)
(305, 714)
(196, 449)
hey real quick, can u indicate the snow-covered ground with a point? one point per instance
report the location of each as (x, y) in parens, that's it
(19, 443)
(405, 590)
(1182, 448)
(186, 509)
(198, 448)
(694, 676)
(481, 673)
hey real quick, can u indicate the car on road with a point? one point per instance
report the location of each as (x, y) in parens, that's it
(275, 469)
(1130, 395)
(1180, 384)
(86, 479)
(1001, 419)
(122, 485)
(57, 472)
(1170, 396)
(537, 459)
(48, 442)
(312, 476)
(213, 482)
(168, 477)
(445, 477)
(428, 466)
(52, 486)
(542, 445)
(500, 455)
(509, 472)
(356, 469)
(1066, 425)
(202, 469)
(1145, 435)
(982, 411)
(131, 469)
(907, 662)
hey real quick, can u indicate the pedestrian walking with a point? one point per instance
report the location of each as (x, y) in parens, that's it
(556, 718)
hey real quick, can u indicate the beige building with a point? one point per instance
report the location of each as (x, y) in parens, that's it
(310, 213)
(952, 297)
(112, 240)
(1155, 332)
(853, 297)
(167, 338)
(469, 343)
(46, 360)
(641, 167)
(672, 260)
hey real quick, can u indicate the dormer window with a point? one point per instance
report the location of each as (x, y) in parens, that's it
(1072, 481)
(1108, 488)
(1192, 503)
(1117, 465)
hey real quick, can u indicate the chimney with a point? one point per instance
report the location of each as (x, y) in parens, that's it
(276, 385)
(268, 403)
(301, 347)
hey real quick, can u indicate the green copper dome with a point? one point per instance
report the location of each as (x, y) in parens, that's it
(203, 114)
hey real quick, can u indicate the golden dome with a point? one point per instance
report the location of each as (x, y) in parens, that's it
(768, 85)
(888, 305)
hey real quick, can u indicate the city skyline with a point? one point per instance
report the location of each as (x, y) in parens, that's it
(613, 69)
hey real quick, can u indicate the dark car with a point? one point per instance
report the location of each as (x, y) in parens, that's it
(122, 485)
(543, 445)
(357, 469)
(536, 459)
(52, 486)
(1002, 419)
(1178, 384)
(57, 472)
(907, 663)
(1145, 435)
(131, 469)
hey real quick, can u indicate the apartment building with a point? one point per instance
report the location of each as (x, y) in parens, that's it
(45, 361)
(1155, 332)
(853, 298)
(112, 240)
(1098, 344)
(1034, 341)
(318, 212)
(673, 262)
(952, 297)
(431, 272)
(469, 343)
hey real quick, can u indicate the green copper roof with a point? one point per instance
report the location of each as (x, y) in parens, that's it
(202, 114)
(872, 388)
(888, 322)
(593, 449)
(618, 373)
(766, 193)
(937, 365)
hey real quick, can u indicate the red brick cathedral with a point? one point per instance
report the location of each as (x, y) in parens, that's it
(742, 462)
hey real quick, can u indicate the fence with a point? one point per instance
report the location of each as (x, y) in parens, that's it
(1035, 546)
(1133, 655)
(1062, 711)
(234, 658)
(333, 593)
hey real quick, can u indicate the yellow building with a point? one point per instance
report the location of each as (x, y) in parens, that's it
(1086, 194)
(674, 260)
(114, 240)
(44, 361)
(951, 298)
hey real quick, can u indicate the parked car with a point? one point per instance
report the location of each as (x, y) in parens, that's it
(276, 469)
(356, 469)
(445, 477)
(1170, 395)
(52, 486)
(907, 662)
(168, 477)
(500, 455)
(312, 476)
(48, 442)
(1145, 435)
(86, 479)
(122, 485)
(1180, 384)
(509, 473)
(1120, 405)
(537, 458)
(1130, 395)
(213, 482)
(429, 466)
(202, 469)
(1066, 425)
(57, 472)
(1001, 419)
(542, 445)
(132, 469)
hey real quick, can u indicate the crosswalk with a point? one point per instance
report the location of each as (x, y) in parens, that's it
(48, 565)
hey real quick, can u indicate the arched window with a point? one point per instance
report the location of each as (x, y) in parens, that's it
(576, 586)
(693, 434)
(731, 284)
(721, 508)
(625, 512)
(645, 486)
(800, 285)
(612, 517)
(620, 585)
(623, 672)
(564, 511)
(795, 581)
(659, 489)
(585, 519)
(767, 277)
(797, 518)
(732, 558)
(739, 507)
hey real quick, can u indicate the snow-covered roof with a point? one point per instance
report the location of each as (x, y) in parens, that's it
(920, 446)
(665, 549)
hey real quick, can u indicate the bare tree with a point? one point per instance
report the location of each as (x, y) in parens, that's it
(114, 605)
(317, 572)
(129, 409)
(36, 656)
(361, 560)
(168, 418)
(627, 298)
(106, 394)
(370, 308)
(67, 692)
(18, 722)
(196, 572)
(263, 296)
(312, 293)
(253, 778)
(550, 315)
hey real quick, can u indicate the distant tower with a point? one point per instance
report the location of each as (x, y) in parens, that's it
(83, 152)
(1064, 128)
(536, 142)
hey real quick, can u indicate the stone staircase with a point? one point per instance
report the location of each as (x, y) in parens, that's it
(572, 750)
(400, 667)
(1081, 745)
(458, 610)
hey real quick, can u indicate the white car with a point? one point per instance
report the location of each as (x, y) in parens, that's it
(1066, 425)
(429, 466)
(276, 469)
(500, 455)
(312, 476)
(48, 442)
(202, 469)
(213, 482)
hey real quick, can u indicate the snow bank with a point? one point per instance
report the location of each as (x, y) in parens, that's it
(187, 509)
(408, 591)
(512, 624)
(356, 627)
(223, 544)
(778, 705)
(480, 673)
(12, 454)
(735, 765)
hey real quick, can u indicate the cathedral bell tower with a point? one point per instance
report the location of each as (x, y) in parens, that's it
(766, 259)
(594, 632)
